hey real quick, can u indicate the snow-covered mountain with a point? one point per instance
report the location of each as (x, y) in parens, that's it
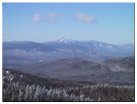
(25, 52)
(66, 40)
(69, 59)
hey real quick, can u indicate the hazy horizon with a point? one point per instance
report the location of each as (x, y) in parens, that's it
(42, 22)
(60, 39)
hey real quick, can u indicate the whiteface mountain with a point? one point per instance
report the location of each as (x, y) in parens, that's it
(17, 53)
(68, 59)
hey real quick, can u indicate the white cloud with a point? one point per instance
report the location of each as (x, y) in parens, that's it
(52, 17)
(85, 18)
(36, 18)
(47, 18)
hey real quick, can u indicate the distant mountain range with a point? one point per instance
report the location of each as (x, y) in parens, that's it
(68, 59)
(20, 53)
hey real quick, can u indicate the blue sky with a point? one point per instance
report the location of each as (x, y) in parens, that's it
(41, 22)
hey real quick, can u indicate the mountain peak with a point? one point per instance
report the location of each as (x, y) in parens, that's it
(65, 40)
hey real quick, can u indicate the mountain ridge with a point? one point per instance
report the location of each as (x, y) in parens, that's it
(18, 53)
(85, 70)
